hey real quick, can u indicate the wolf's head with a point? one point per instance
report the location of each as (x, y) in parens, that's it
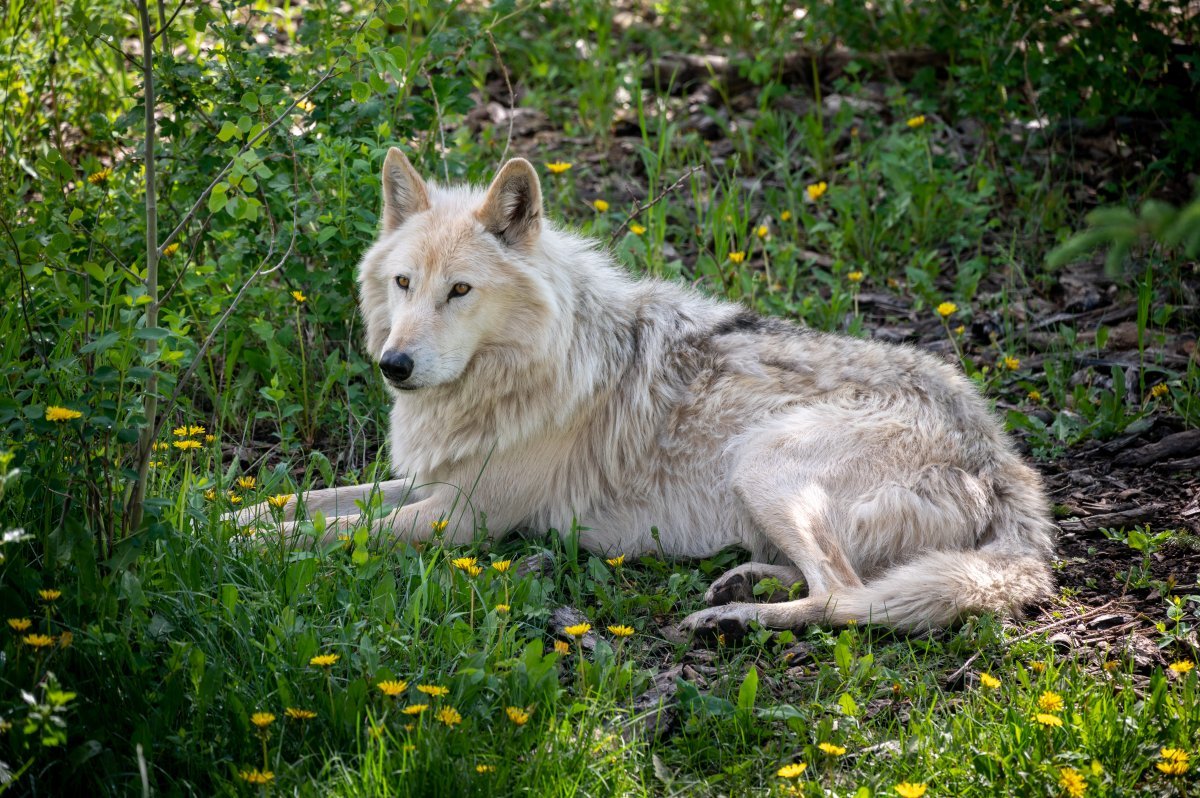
(454, 278)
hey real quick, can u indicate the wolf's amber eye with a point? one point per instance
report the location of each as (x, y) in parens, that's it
(402, 281)
(459, 289)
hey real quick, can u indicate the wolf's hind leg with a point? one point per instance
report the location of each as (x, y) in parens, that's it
(737, 584)
(784, 482)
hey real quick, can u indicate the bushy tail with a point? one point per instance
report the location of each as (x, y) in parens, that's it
(938, 588)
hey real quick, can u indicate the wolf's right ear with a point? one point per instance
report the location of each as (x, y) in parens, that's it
(404, 191)
(512, 210)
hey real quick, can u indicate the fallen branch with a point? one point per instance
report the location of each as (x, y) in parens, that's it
(639, 209)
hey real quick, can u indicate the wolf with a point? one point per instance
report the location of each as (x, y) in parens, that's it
(534, 384)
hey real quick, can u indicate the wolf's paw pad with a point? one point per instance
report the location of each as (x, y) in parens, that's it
(730, 587)
(730, 621)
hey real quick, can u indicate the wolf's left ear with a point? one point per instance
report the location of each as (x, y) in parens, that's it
(512, 210)
(404, 192)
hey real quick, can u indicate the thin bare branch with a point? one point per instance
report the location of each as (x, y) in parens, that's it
(639, 209)
(512, 97)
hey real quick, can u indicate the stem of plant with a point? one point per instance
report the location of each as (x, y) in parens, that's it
(146, 440)
(308, 430)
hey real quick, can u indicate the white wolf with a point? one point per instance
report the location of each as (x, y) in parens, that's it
(535, 383)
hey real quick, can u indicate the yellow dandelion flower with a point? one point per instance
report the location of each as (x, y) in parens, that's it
(946, 309)
(1159, 391)
(299, 297)
(434, 690)
(50, 594)
(19, 624)
(256, 776)
(1034, 396)
(816, 190)
(1182, 666)
(449, 716)
(762, 231)
(616, 562)
(196, 429)
(558, 167)
(299, 714)
(1072, 781)
(234, 498)
(502, 566)
(1037, 667)
(439, 527)
(170, 249)
(620, 631)
(210, 438)
(180, 432)
(637, 229)
(1172, 768)
(161, 446)
(38, 640)
(988, 680)
(474, 570)
(600, 205)
(1011, 363)
(392, 687)
(792, 771)
(1046, 719)
(65, 640)
(56, 413)
(503, 609)
(324, 660)
(910, 789)
(101, 177)
(518, 716)
(855, 277)
(786, 216)
(562, 647)
(578, 630)
(463, 563)
(279, 500)
(415, 709)
(485, 768)
(262, 719)
(831, 749)
(915, 121)
(737, 257)
(246, 483)
(187, 445)
(960, 329)
(1174, 755)
(1050, 701)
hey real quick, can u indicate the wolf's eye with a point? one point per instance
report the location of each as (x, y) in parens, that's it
(459, 289)
(402, 281)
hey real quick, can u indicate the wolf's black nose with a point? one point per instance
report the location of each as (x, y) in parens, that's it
(396, 366)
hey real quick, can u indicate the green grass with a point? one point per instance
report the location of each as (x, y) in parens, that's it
(170, 634)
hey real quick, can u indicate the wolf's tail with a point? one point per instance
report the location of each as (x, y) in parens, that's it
(1009, 570)
(938, 588)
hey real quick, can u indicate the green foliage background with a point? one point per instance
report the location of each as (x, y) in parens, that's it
(273, 120)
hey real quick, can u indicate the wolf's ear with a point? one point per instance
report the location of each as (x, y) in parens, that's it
(512, 210)
(404, 191)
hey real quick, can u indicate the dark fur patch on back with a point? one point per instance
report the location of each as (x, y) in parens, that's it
(749, 322)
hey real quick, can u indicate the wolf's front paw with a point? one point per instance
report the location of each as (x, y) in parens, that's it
(730, 620)
(730, 587)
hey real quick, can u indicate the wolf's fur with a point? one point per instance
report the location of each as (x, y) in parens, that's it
(560, 388)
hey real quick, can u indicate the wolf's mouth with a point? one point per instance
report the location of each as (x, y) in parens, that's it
(401, 386)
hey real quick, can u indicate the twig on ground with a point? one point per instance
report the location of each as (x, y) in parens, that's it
(638, 208)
